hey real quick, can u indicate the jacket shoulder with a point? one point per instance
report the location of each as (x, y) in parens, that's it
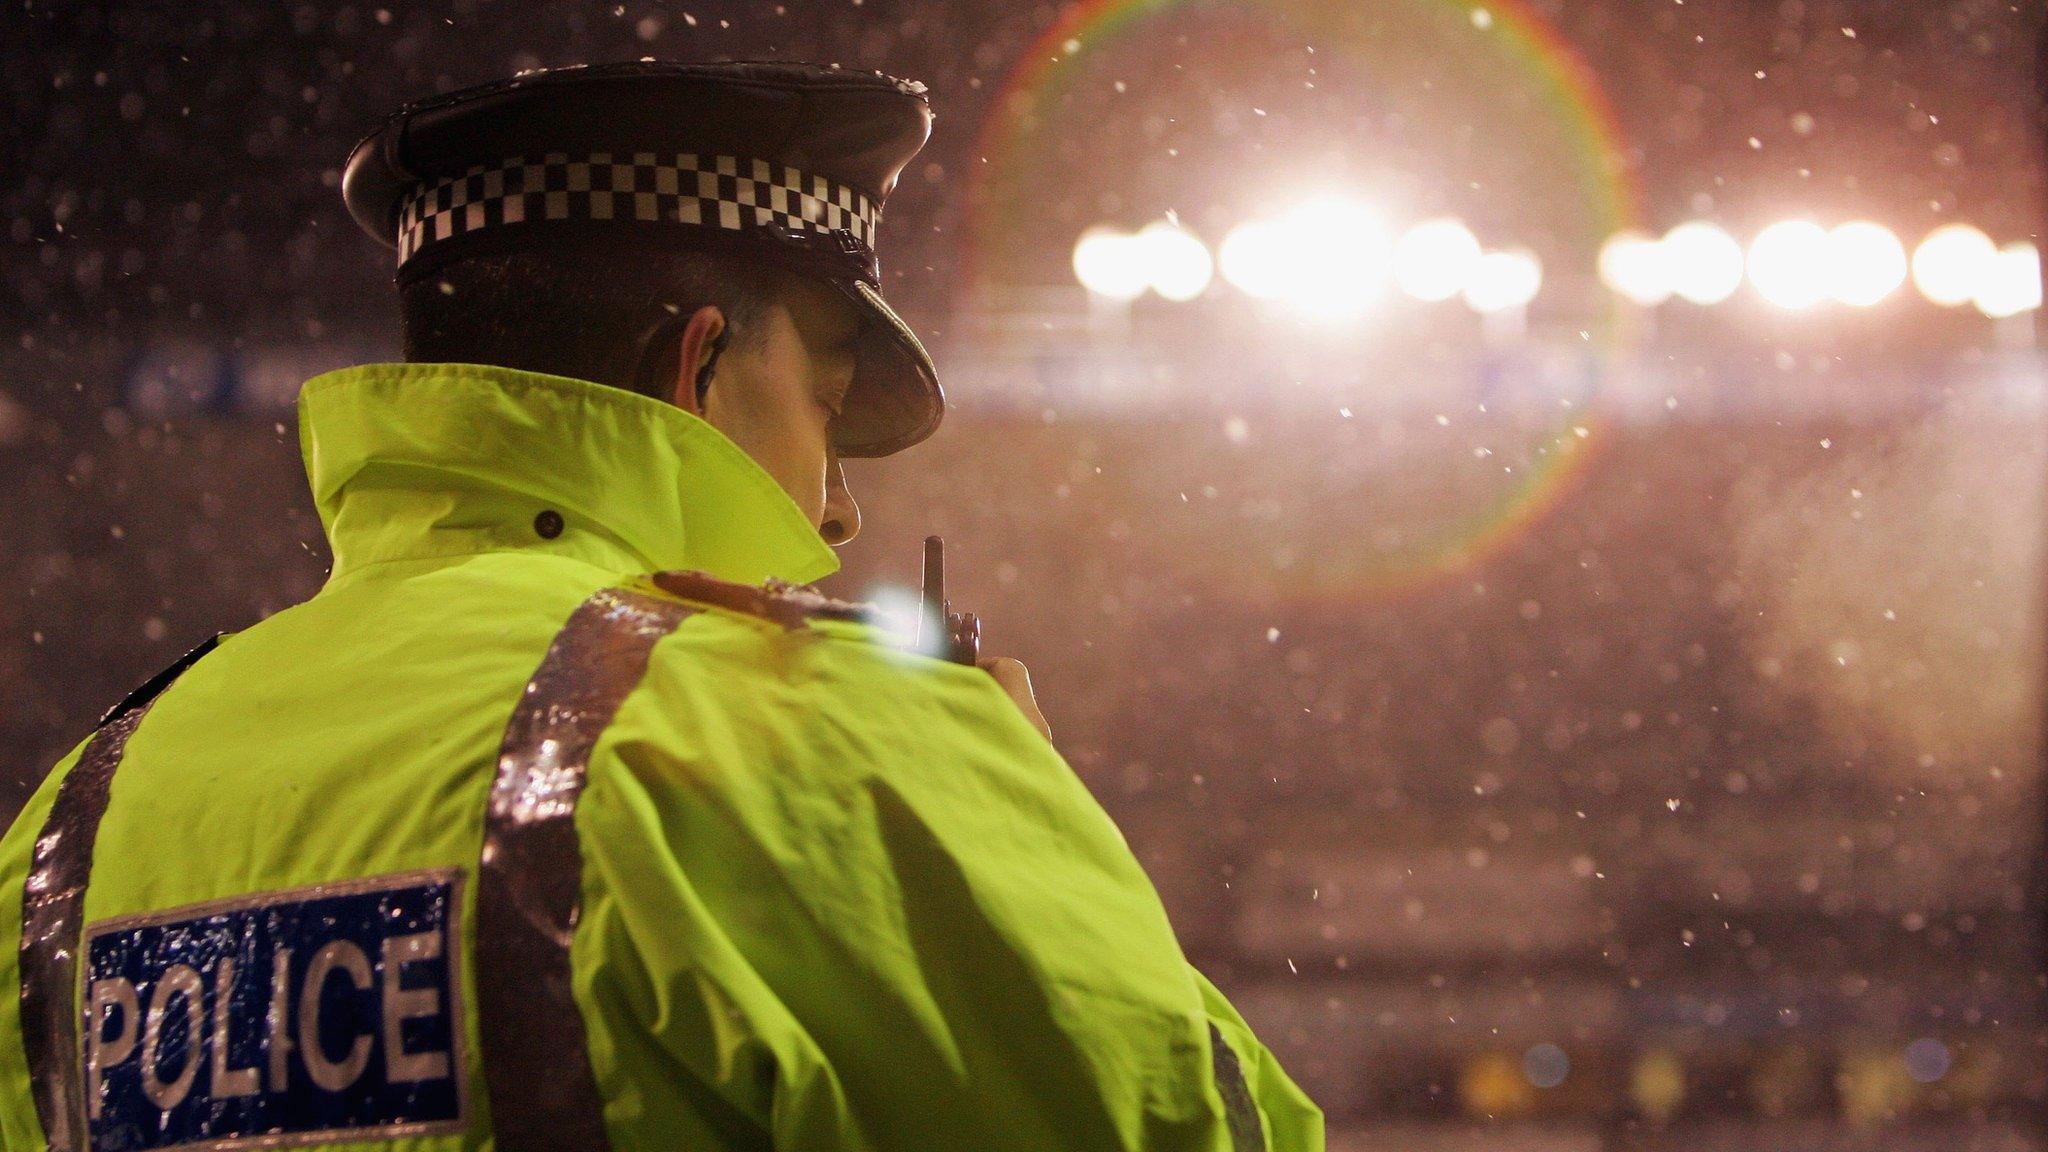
(777, 602)
(834, 639)
(147, 692)
(784, 634)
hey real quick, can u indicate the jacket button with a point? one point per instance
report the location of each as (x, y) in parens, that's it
(548, 524)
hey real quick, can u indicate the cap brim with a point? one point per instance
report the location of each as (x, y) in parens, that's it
(895, 400)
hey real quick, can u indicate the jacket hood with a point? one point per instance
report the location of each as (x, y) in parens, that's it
(417, 461)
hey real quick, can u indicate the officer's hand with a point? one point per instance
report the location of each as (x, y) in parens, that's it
(1016, 680)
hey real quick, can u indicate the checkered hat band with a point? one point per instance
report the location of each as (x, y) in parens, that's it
(729, 192)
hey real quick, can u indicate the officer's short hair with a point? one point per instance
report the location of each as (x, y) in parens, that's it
(580, 314)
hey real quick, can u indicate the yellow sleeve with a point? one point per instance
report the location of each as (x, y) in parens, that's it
(1290, 1120)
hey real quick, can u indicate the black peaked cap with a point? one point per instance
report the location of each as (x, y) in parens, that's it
(786, 160)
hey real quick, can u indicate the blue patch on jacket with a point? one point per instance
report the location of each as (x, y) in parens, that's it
(315, 1014)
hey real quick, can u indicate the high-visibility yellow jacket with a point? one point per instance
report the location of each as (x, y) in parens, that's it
(498, 841)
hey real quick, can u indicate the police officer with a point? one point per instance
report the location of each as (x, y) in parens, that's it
(563, 817)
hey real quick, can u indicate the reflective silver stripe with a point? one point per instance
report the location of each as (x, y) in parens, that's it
(1242, 1114)
(52, 907)
(52, 904)
(543, 1092)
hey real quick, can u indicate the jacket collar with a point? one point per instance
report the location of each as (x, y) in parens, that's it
(422, 461)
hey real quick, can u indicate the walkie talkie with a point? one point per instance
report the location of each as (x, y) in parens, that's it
(961, 639)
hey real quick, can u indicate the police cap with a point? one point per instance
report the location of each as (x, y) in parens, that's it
(782, 160)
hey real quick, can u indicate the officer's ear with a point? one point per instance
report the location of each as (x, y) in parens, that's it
(704, 337)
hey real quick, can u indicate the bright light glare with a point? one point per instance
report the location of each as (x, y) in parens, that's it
(1952, 263)
(1434, 259)
(1329, 257)
(1703, 262)
(1635, 265)
(1111, 263)
(2011, 283)
(1503, 280)
(1788, 263)
(1341, 257)
(897, 614)
(1865, 263)
(1255, 258)
(1177, 264)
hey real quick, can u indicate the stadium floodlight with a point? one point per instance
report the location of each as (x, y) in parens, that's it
(1434, 260)
(1328, 257)
(2011, 282)
(1503, 281)
(1177, 264)
(1865, 264)
(1951, 264)
(1111, 264)
(1635, 265)
(1254, 258)
(1338, 255)
(1788, 264)
(1704, 262)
